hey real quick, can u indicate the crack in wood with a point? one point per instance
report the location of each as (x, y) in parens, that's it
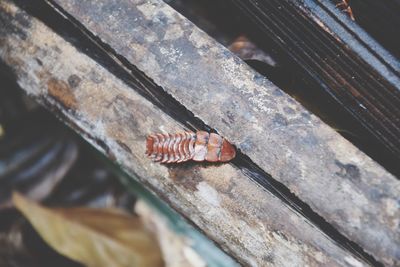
(346, 69)
(92, 46)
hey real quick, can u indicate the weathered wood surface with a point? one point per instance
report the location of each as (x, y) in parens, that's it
(250, 223)
(335, 55)
(344, 186)
(339, 182)
(381, 20)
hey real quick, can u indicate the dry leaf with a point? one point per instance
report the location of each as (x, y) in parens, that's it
(94, 237)
(176, 248)
(247, 50)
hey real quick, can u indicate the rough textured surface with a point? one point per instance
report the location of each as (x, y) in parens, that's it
(339, 182)
(250, 223)
(336, 57)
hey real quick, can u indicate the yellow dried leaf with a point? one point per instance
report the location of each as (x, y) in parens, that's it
(94, 237)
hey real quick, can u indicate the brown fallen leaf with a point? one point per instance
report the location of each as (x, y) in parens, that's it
(247, 50)
(94, 237)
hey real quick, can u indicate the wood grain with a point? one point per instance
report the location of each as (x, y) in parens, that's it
(338, 58)
(248, 222)
(339, 182)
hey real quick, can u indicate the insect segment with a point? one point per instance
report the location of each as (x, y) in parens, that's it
(181, 147)
(344, 6)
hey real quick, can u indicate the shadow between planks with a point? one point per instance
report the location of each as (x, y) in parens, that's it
(337, 58)
(249, 222)
(302, 153)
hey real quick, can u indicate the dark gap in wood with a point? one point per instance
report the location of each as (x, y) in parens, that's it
(381, 19)
(88, 44)
(328, 52)
(255, 173)
(388, 62)
(206, 15)
(313, 95)
(379, 125)
(364, 40)
(313, 46)
(75, 33)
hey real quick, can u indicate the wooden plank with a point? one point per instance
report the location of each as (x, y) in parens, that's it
(330, 51)
(248, 222)
(381, 20)
(279, 135)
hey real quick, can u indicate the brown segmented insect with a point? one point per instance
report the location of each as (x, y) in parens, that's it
(181, 147)
(344, 6)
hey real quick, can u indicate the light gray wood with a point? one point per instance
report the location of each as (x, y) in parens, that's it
(339, 182)
(250, 223)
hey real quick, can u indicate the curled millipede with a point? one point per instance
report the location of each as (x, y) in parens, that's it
(181, 147)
